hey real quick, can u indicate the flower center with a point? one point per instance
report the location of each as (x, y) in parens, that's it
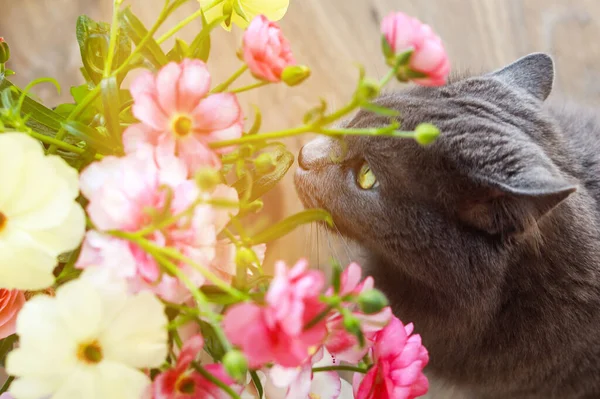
(314, 396)
(2, 221)
(185, 385)
(182, 125)
(90, 352)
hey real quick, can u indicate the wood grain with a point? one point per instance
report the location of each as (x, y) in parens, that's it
(330, 36)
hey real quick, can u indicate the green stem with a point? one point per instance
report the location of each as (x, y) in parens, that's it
(386, 79)
(318, 318)
(249, 87)
(213, 278)
(6, 384)
(179, 26)
(340, 368)
(59, 144)
(198, 296)
(154, 250)
(264, 136)
(367, 132)
(225, 85)
(215, 380)
(114, 33)
(78, 110)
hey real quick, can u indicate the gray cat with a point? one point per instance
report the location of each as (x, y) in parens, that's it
(488, 239)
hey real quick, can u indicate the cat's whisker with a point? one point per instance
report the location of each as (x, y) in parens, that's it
(345, 244)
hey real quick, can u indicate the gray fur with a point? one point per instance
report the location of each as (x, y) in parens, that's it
(489, 239)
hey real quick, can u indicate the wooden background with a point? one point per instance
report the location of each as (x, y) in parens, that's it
(330, 36)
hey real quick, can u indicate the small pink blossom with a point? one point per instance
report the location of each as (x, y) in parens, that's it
(181, 382)
(1, 39)
(123, 195)
(340, 342)
(266, 51)
(11, 302)
(399, 360)
(403, 33)
(276, 332)
(180, 117)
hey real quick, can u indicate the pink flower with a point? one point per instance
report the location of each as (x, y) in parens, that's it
(180, 117)
(6, 395)
(11, 302)
(404, 33)
(124, 194)
(397, 373)
(266, 51)
(340, 342)
(1, 39)
(276, 332)
(183, 383)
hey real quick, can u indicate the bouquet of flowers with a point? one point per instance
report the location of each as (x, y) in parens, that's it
(127, 266)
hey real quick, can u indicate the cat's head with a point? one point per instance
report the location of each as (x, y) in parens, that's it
(488, 181)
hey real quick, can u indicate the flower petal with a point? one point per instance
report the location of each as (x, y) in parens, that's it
(167, 91)
(193, 84)
(64, 237)
(137, 336)
(217, 112)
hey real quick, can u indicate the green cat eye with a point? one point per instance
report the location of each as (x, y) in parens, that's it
(366, 179)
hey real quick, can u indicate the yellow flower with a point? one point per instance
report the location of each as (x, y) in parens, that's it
(241, 12)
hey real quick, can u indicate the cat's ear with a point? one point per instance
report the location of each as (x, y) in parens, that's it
(533, 73)
(515, 206)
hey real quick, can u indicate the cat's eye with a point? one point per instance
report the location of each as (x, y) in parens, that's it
(366, 179)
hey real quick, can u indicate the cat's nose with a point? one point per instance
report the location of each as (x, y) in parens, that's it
(315, 153)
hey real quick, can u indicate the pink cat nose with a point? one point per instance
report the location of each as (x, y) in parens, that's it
(315, 153)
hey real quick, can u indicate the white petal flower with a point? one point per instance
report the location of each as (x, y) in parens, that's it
(39, 218)
(87, 342)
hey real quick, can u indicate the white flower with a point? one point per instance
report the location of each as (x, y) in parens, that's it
(301, 382)
(39, 218)
(87, 342)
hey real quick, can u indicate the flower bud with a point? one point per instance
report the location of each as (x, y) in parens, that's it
(207, 179)
(372, 301)
(295, 74)
(368, 90)
(4, 51)
(236, 364)
(244, 257)
(265, 163)
(426, 133)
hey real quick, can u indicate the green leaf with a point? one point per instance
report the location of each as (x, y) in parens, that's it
(179, 51)
(287, 225)
(380, 110)
(93, 137)
(136, 31)
(201, 45)
(211, 341)
(257, 121)
(216, 295)
(262, 184)
(111, 103)
(64, 109)
(39, 114)
(93, 39)
(316, 114)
